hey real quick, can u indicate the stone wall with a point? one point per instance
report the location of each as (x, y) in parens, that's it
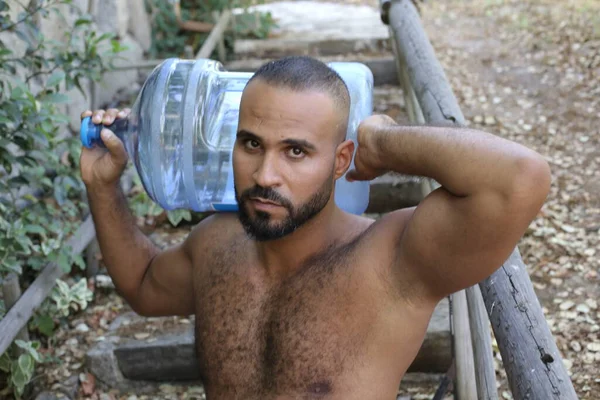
(128, 19)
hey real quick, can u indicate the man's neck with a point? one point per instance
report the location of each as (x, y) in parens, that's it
(283, 257)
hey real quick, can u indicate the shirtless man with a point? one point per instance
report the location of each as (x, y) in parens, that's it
(293, 297)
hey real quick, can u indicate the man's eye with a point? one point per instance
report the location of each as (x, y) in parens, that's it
(252, 144)
(296, 152)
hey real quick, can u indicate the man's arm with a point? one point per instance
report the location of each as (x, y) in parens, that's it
(154, 283)
(491, 189)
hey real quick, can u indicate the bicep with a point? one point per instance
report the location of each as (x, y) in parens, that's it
(455, 242)
(167, 287)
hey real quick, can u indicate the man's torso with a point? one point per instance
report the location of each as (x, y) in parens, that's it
(337, 328)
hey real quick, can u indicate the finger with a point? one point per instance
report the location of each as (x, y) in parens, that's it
(97, 116)
(86, 114)
(109, 116)
(114, 146)
(124, 113)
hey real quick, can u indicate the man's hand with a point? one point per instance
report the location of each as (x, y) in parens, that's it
(103, 167)
(367, 162)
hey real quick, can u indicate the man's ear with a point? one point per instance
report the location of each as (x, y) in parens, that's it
(343, 157)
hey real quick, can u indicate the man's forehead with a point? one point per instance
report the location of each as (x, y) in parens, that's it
(265, 106)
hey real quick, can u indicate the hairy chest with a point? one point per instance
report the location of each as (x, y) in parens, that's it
(300, 336)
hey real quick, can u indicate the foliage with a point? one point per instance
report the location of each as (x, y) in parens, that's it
(20, 365)
(169, 41)
(40, 188)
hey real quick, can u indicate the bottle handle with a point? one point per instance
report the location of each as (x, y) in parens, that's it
(90, 132)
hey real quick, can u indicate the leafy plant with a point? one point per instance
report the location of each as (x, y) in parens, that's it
(40, 187)
(21, 365)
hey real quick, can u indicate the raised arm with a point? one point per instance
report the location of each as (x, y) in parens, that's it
(154, 283)
(491, 189)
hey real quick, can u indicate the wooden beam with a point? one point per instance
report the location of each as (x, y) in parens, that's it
(531, 358)
(485, 373)
(11, 290)
(22, 311)
(215, 35)
(466, 388)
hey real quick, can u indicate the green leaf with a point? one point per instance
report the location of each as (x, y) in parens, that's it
(26, 364)
(56, 78)
(5, 362)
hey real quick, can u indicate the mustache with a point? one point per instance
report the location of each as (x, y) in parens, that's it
(267, 194)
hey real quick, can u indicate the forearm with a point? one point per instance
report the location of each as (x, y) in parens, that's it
(126, 251)
(462, 160)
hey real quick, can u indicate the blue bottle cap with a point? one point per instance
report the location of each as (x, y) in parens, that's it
(89, 133)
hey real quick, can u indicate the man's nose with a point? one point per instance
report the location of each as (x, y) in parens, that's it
(267, 174)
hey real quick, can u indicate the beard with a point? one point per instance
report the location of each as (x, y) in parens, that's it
(261, 228)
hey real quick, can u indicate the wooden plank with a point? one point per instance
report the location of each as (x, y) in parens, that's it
(20, 313)
(466, 388)
(531, 358)
(533, 364)
(482, 346)
(215, 35)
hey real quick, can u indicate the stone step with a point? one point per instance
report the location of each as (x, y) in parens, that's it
(317, 28)
(383, 66)
(124, 361)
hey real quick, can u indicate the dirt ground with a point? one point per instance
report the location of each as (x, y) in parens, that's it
(528, 71)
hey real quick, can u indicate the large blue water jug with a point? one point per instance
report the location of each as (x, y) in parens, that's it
(182, 128)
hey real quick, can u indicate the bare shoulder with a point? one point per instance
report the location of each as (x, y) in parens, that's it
(210, 234)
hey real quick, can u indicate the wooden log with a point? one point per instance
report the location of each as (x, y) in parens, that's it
(531, 358)
(11, 290)
(215, 35)
(534, 366)
(482, 346)
(23, 309)
(221, 44)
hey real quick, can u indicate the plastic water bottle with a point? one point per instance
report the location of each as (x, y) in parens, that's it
(182, 128)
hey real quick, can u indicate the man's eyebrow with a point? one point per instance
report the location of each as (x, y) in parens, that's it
(243, 134)
(300, 143)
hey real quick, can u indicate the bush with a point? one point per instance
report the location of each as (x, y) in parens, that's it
(40, 186)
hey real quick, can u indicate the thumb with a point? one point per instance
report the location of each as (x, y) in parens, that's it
(115, 146)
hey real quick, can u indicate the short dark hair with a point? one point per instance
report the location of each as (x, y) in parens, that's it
(301, 73)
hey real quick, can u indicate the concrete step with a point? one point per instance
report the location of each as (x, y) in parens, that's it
(317, 28)
(382, 65)
(124, 360)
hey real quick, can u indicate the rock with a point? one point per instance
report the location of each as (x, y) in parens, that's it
(82, 328)
(139, 24)
(575, 346)
(111, 16)
(104, 282)
(73, 342)
(593, 347)
(566, 305)
(142, 335)
(113, 82)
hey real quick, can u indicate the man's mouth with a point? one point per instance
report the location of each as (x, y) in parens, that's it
(264, 201)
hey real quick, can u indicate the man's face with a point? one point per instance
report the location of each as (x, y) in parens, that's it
(286, 158)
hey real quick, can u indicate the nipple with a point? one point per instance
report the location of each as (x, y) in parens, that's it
(320, 388)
